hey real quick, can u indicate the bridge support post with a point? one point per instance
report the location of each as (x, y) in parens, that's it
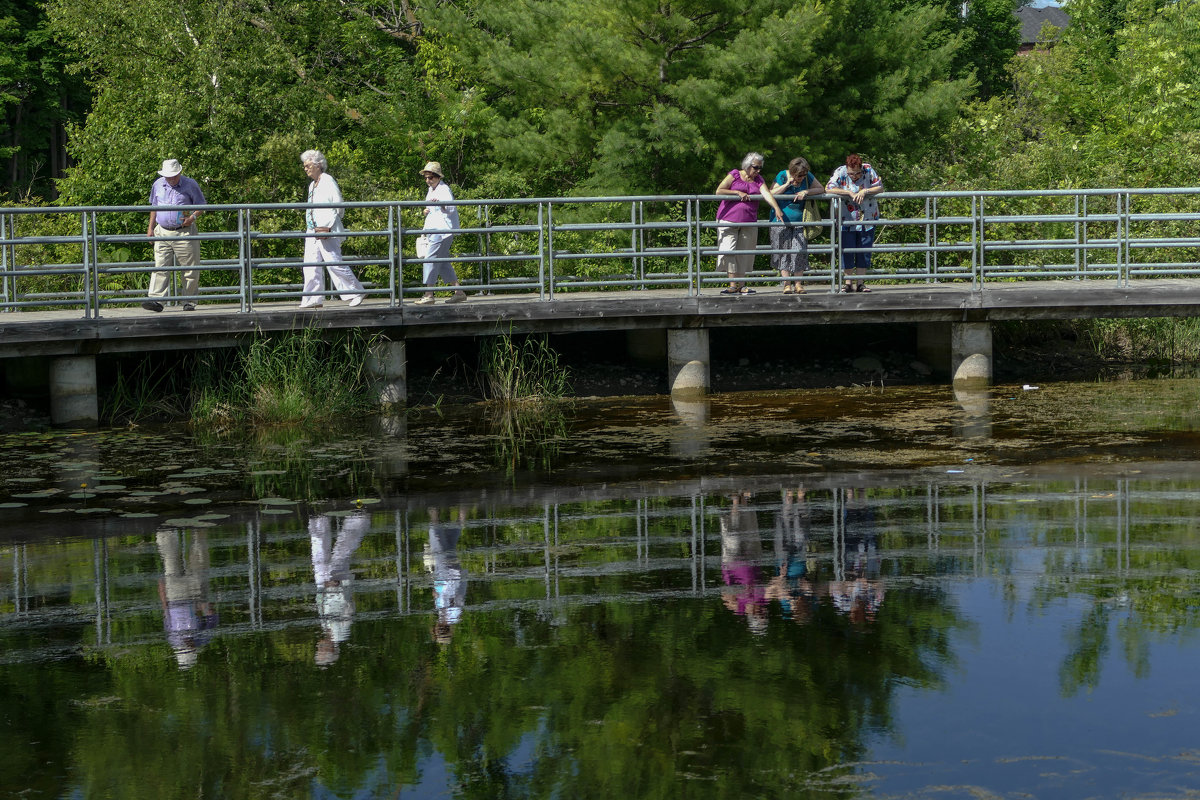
(73, 400)
(387, 364)
(971, 353)
(687, 361)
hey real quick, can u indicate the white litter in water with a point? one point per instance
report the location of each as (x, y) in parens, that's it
(1029, 388)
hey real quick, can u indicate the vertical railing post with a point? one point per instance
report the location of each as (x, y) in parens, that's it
(395, 255)
(4, 260)
(633, 241)
(835, 244)
(1080, 236)
(691, 260)
(698, 247)
(977, 251)
(85, 260)
(245, 260)
(400, 234)
(930, 237)
(1123, 249)
(545, 220)
(485, 264)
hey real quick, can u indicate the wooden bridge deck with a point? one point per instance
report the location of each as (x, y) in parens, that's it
(132, 329)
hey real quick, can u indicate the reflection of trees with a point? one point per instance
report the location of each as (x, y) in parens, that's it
(1140, 584)
(624, 700)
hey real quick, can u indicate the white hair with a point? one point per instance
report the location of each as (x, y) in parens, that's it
(314, 157)
(750, 158)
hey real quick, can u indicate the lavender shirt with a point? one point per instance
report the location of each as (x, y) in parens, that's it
(186, 193)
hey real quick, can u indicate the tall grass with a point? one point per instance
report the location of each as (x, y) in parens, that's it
(527, 369)
(1161, 340)
(298, 376)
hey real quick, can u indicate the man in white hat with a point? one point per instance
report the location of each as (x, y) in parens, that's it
(174, 233)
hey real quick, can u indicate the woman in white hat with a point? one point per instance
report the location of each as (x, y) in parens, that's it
(323, 245)
(437, 245)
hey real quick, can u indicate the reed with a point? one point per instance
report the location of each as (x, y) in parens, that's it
(521, 370)
(287, 378)
(148, 391)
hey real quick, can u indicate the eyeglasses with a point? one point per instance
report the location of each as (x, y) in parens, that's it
(755, 166)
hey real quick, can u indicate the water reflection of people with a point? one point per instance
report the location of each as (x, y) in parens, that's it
(188, 616)
(741, 563)
(858, 591)
(449, 577)
(791, 585)
(335, 581)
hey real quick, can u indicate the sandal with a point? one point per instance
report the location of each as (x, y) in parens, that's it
(862, 287)
(789, 289)
(748, 291)
(731, 290)
(847, 289)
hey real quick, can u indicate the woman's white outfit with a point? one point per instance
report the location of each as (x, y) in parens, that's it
(326, 250)
(437, 245)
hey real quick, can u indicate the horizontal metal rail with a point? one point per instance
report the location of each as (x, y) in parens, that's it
(95, 257)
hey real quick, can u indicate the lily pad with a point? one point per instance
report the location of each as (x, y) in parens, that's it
(197, 501)
(38, 494)
(189, 522)
(13, 505)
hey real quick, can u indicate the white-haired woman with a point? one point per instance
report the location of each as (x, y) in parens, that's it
(737, 232)
(323, 245)
(439, 218)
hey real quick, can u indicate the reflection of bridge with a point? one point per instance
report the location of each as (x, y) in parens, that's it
(950, 263)
(920, 528)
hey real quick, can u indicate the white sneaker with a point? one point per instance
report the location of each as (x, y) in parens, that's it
(458, 297)
(356, 300)
(426, 300)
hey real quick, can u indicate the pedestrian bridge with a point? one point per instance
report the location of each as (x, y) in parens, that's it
(951, 262)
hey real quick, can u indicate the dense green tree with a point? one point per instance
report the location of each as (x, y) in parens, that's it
(36, 100)
(650, 96)
(1111, 104)
(236, 89)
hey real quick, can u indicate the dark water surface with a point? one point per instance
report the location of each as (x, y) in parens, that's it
(844, 594)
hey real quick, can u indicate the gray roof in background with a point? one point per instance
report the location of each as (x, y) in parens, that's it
(1032, 20)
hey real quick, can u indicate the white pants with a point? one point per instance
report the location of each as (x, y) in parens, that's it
(743, 239)
(316, 252)
(437, 245)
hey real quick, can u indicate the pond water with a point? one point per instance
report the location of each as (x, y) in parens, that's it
(843, 594)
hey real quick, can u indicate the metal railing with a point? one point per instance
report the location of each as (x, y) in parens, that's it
(93, 258)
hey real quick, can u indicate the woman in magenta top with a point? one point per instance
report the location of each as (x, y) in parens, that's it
(737, 231)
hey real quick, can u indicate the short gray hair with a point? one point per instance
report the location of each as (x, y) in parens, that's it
(314, 157)
(750, 158)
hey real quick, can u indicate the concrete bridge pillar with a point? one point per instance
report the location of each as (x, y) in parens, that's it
(73, 399)
(687, 361)
(971, 353)
(387, 364)
(964, 347)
